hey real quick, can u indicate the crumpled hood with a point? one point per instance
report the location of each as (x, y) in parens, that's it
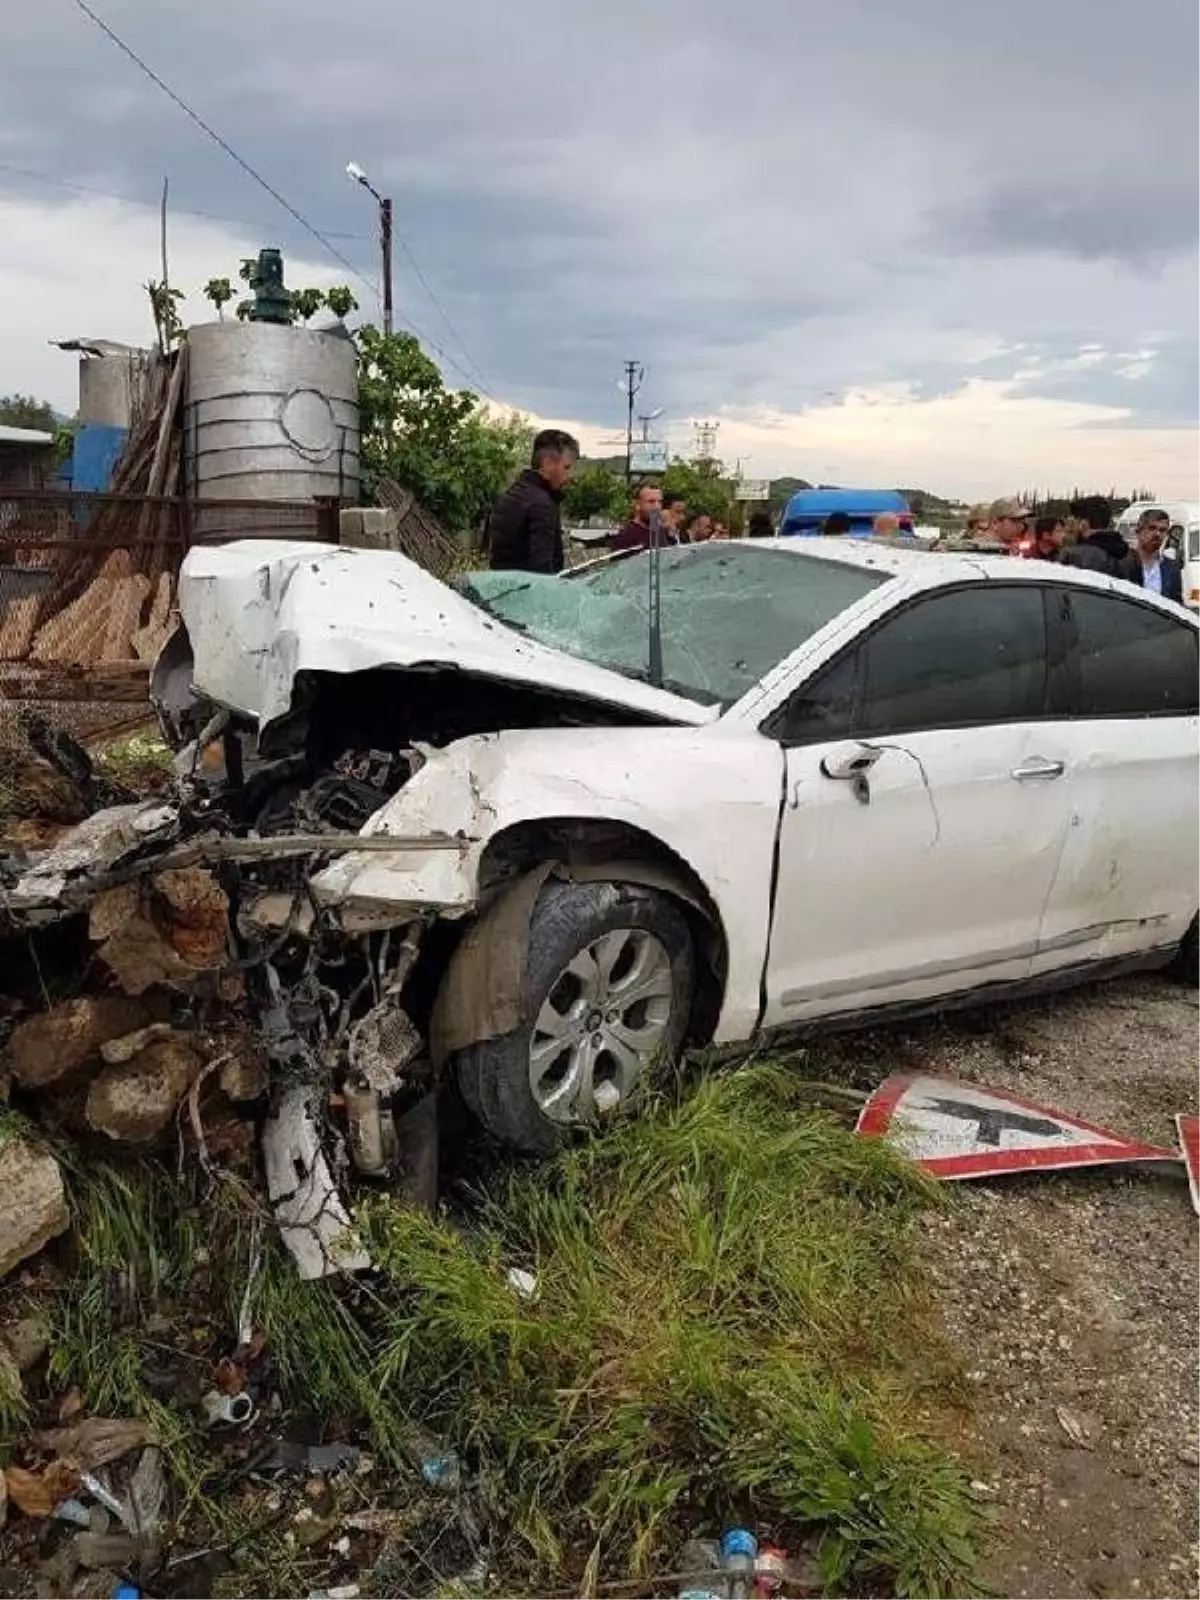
(260, 611)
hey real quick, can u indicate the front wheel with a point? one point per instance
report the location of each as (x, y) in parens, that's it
(606, 993)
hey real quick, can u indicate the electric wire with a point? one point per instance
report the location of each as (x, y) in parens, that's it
(257, 177)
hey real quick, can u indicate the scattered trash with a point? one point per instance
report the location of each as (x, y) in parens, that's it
(126, 1591)
(245, 1324)
(313, 1220)
(95, 1442)
(964, 1130)
(524, 1283)
(142, 1511)
(1074, 1428)
(111, 1550)
(438, 1465)
(100, 1491)
(75, 1511)
(287, 1458)
(37, 1493)
(770, 1570)
(702, 1576)
(227, 1410)
(739, 1549)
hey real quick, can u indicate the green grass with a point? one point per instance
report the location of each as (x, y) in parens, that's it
(139, 760)
(729, 1326)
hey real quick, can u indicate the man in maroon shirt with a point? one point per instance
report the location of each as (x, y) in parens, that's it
(635, 534)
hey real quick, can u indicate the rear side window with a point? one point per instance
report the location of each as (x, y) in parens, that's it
(961, 659)
(973, 656)
(1128, 660)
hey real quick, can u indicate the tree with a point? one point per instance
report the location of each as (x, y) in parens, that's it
(701, 487)
(306, 303)
(595, 491)
(220, 292)
(440, 443)
(23, 411)
(340, 300)
(164, 307)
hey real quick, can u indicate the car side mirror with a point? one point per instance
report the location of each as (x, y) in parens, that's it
(850, 760)
(850, 763)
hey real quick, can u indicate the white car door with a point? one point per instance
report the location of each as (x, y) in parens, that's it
(1128, 875)
(926, 870)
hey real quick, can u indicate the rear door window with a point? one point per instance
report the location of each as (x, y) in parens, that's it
(1130, 660)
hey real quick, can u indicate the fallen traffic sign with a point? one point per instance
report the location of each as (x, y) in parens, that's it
(1189, 1143)
(967, 1130)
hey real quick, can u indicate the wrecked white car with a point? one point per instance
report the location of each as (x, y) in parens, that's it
(540, 832)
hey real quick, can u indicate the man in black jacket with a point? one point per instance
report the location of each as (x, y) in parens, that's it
(525, 527)
(1146, 566)
(1102, 548)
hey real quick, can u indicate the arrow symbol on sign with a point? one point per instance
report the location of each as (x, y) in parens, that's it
(990, 1122)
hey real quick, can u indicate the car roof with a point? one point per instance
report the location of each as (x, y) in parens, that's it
(932, 569)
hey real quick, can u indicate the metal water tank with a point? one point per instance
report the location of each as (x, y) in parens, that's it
(270, 413)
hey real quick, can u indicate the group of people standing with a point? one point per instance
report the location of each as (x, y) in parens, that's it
(676, 523)
(1086, 538)
(525, 531)
(525, 534)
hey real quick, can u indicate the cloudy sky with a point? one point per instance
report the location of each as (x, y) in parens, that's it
(918, 241)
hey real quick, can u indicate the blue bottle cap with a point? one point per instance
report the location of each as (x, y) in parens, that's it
(738, 1542)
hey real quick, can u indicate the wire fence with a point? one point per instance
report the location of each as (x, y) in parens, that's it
(87, 594)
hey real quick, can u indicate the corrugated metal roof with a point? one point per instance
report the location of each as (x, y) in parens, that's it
(24, 436)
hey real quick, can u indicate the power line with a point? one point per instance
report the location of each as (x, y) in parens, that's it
(223, 144)
(194, 116)
(137, 200)
(441, 310)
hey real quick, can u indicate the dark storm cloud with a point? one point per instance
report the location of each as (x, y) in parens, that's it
(762, 202)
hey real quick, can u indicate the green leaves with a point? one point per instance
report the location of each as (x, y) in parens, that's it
(23, 411)
(596, 491)
(220, 292)
(440, 443)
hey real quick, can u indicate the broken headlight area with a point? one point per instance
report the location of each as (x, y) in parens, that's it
(204, 899)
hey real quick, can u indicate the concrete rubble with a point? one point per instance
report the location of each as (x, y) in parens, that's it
(33, 1202)
(134, 1101)
(56, 1043)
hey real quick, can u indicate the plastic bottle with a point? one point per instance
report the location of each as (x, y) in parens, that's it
(739, 1547)
(770, 1570)
(703, 1577)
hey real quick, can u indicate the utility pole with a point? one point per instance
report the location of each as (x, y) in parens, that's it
(356, 175)
(634, 373)
(385, 246)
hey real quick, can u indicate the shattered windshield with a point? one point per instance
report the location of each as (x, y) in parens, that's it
(730, 612)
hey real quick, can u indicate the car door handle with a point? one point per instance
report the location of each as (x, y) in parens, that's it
(1037, 768)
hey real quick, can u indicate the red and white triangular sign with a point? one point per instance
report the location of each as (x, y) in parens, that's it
(964, 1130)
(1189, 1143)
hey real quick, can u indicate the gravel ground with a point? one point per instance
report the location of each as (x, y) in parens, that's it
(1073, 1297)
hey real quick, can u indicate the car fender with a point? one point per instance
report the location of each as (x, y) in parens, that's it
(709, 796)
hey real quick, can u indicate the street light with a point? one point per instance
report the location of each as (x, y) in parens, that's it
(356, 175)
(646, 418)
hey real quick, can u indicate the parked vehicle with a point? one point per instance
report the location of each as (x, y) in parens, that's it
(1183, 542)
(806, 511)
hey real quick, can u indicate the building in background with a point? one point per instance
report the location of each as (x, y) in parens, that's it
(26, 458)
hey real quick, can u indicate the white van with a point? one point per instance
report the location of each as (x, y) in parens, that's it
(1183, 542)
